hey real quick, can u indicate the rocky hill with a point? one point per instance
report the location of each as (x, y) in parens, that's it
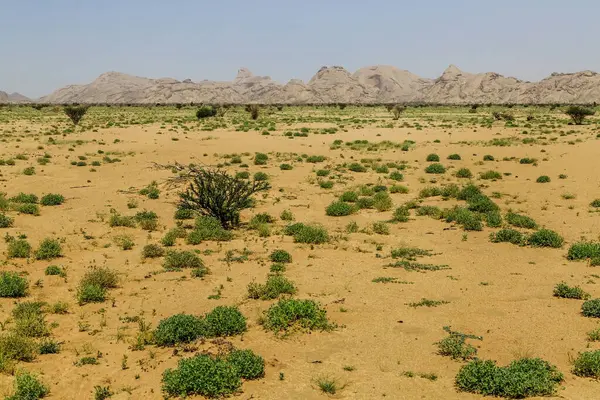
(376, 84)
(13, 98)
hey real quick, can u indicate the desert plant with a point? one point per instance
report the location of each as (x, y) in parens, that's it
(152, 251)
(49, 249)
(526, 377)
(454, 157)
(175, 260)
(508, 235)
(401, 214)
(587, 364)
(464, 173)
(208, 228)
(382, 201)
(248, 365)
(381, 228)
(5, 221)
(545, 238)
(18, 248)
(178, 328)
(432, 158)
(29, 319)
(349, 197)
(28, 387)
(579, 113)
(52, 199)
(12, 285)
(216, 193)
(583, 250)
(493, 219)
(206, 112)
(280, 256)
(339, 209)
(520, 221)
(397, 110)
(286, 215)
(254, 110)
(289, 313)
(75, 112)
(493, 175)
(54, 270)
(456, 347)
(591, 308)
(435, 168)
(543, 179)
(275, 286)
(182, 214)
(224, 321)
(567, 292)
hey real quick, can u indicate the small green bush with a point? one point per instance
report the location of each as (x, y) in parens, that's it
(90, 293)
(493, 219)
(527, 160)
(567, 292)
(275, 286)
(401, 214)
(121, 220)
(24, 198)
(49, 249)
(152, 251)
(206, 112)
(469, 220)
(493, 175)
(381, 228)
(508, 235)
(202, 375)
(435, 169)
(28, 387)
(247, 364)
(224, 321)
(482, 204)
(54, 270)
(183, 214)
(208, 228)
(520, 221)
(28, 208)
(286, 215)
(464, 173)
(454, 157)
(356, 167)
(396, 176)
(339, 209)
(543, 179)
(430, 211)
(19, 248)
(289, 313)
(5, 221)
(182, 259)
(382, 201)
(583, 250)
(178, 328)
(365, 203)
(52, 199)
(591, 308)
(488, 157)
(15, 347)
(260, 159)
(280, 256)
(310, 234)
(587, 364)
(595, 203)
(432, 158)
(522, 378)
(398, 189)
(29, 319)
(12, 285)
(456, 347)
(349, 197)
(261, 176)
(545, 238)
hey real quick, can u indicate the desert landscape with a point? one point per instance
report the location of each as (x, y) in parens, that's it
(299, 251)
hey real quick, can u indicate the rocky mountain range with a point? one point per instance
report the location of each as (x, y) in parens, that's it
(13, 98)
(376, 84)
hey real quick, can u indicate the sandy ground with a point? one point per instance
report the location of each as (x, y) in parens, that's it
(499, 291)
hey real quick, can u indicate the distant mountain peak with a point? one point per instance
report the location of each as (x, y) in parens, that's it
(244, 73)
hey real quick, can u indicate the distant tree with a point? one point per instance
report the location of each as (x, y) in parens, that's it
(397, 111)
(578, 113)
(206, 112)
(254, 110)
(75, 112)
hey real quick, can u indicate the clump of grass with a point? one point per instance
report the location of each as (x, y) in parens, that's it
(435, 168)
(401, 214)
(310, 234)
(543, 179)
(49, 249)
(456, 347)
(399, 189)
(545, 238)
(493, 219)
(349, 197)
(151, 191)
(583, 250)
(595, 203)
(520, 221)
(490, 175)
(280, 256)
(14, 348)
(175, 260)
(469, 220)
(117, 219)
(12, 285)
(508, 235)
(29, 319)
(430, 211)
(432, 158)
(396, 176)
(464, 173)
(152, 251)
(28, 387)
(28, 208)
(382, 201)
(567, 292)
(591, 308)
(54, 270)
(327, 385)
(286, 215)
(208, 228)
(125, 242)
(526, 377)
(52, 199)
(275, 286)
(24, 198)
(454, 157)
(184, 214)
(339, 209)
(148, 220)
(381, 228)
(427, 303)
(18, 248)
(410, 253)
(94, 284)
(5, 221)
(178, 328)
(287, 314)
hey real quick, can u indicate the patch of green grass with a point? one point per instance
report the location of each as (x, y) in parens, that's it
(28, 387)
(591, 308)
(275, 286)
(48, 250)
(410, 253)
(311, 234)
(428, 303)
(587, 364)
(288, 314)
(520, 221)
(401, 214)
(175, 260)
(12, 285)
(567, 292)
(543, 179)
(508, 235)
(349, 197)
(545, 238)
(178, 328)
(280, 256)
(456, 347)
(18, 248)
(208, 228)
(28, 208)
(152, 251)
(382, 201)
(327, 385)
(339, 209)
(583, 250)
(24, 198)
(432, 158)
(490, 175)
(52, 199)
(435, 168)
(464, 173)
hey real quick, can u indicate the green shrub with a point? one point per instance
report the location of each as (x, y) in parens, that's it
(464, 173)
(323, 172)
(103, 277)
(49, 347)
(18, 248)
(277, 268)
(456, 347)
(15, 347)
(567, 292)
(381, 228)
(28, 208)
(224, 321)
(432, 158)
(462, 216)
(339, 209)
(75, 113)
(24, 198)
(488, 157)
(90, 293)
(183, 214)
(508, 235)
(522, 378)
(178, 328)
(12, 285)
(583, 250)
(289, 313)
(587, 364)
(182, 259)
(49, 249)
(398, 189)
(202, 375)
(520, 221)
(349, 197)
(365, 202)
(54, 270)
(206, 112)
(543, 179)
(29, 319)
(208, 228)
(310, 234)
(121, 220)
(275, 286)
(578, 113)
(247, 364)
(435, 169)
(28, 387)
(493, 219)
(5, 221)
(431, 211)
(469, 192)
(591, 308)
(325, 184)
(482, 204)
(260, 159)
(315, 159)
(382, 201)
(151, 191)
(490, 175)
(595, 203)
(286, 215)
(261, 176)
(152, 251)
(545, 238)
(52, 199)
(148, 220)
(454, 157)
(242, 175)
(396, 176)
(527, 160)
(280, 256)
(286, 167)
(401, 214)
(356, 167)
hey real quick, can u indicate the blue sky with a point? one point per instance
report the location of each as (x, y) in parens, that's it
(47, 44)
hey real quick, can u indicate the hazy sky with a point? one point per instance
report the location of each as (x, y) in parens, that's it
(47, 44)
